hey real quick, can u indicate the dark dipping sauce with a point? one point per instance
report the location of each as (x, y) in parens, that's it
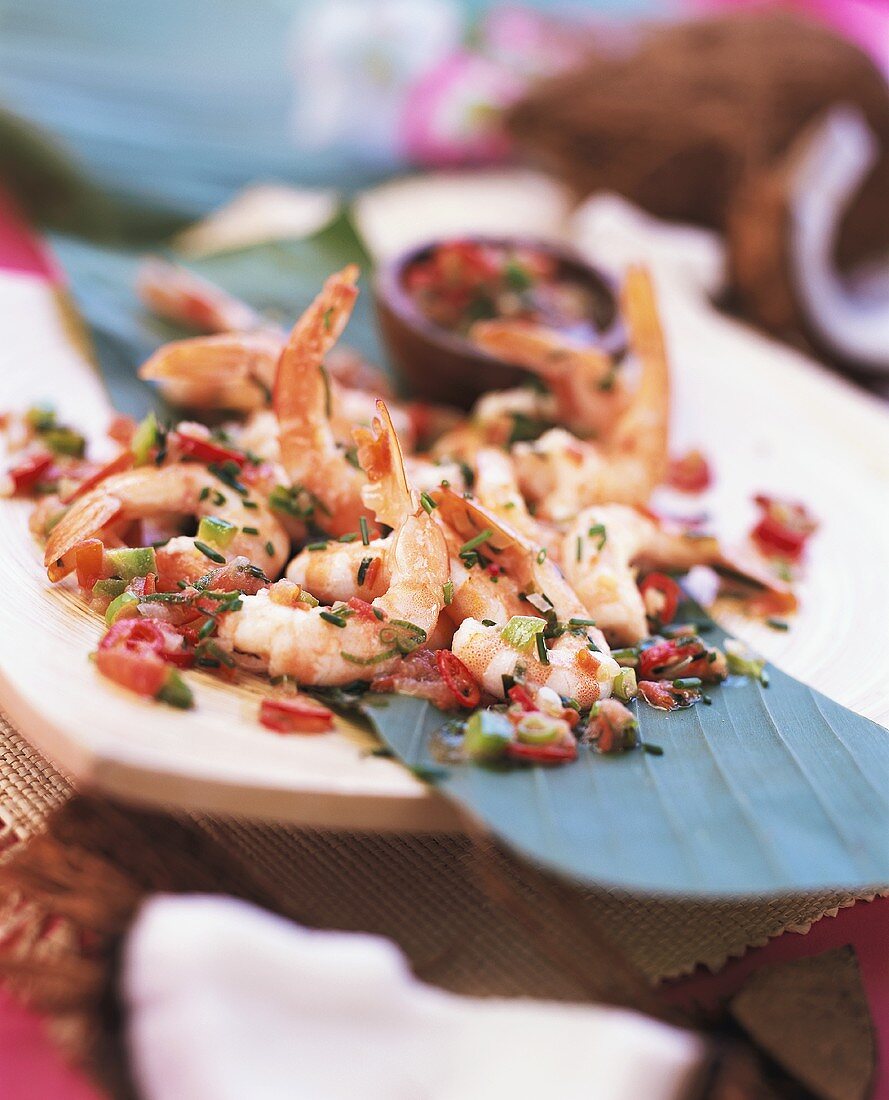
(456, 283)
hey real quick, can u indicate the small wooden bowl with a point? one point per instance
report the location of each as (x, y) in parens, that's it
(441, 366)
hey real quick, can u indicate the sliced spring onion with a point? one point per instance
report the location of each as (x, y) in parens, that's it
(481, 537)
(487, 733)
(208, 552)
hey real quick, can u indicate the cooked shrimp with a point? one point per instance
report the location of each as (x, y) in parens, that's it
(178, 295)
(561, 473)
(309, 450)
(335, 646)
(343, 570)
(588, 390)
(493, 420)
(151, 492)
(604, 548)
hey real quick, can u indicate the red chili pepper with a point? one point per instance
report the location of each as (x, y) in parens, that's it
(656, 695)
(690, 473)
(518, 693)
(783, 529)
(458, 678)
(116, 466)
(661, 596)
(205, 450)
(144, 586)
(363, 610)
(661, 661)
(88, 561)
(559, 753)
(28, 473)
(122, 429)
(494, 570)
(130, 654)
(295, 714)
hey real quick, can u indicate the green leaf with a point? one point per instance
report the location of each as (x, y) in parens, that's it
(770, 790)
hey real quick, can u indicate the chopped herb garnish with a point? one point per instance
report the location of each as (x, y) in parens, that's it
(351, 456)
(317, 546)
(327, 319)
(336, 620)
(250, 530)
(227, 472)
(249, 503)
(652, 750)
(541, 555)
(541, 649)
(208, 552)
(687, 682)
(351, 537)
(427, 502)
(579, 548)
(270, 549)
(204, 493)
(597, 531)
(365, 535)
(481, 537)
(363, 568)
(448, 591)
(777, 624)
(581, 622)
(488, 622)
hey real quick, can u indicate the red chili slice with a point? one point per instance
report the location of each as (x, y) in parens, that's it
(295, 715)
(458, 678)
(518, 693)
(783, 529)
(28, 473)
(559, 753)
(205, 450)
(117, 465)
(690, 473)
(363, 610)
(661, 596)
(131, 655)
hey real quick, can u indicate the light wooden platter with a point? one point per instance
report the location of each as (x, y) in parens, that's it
(769, 419)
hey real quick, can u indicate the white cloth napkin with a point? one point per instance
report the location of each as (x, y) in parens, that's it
(227, 1002)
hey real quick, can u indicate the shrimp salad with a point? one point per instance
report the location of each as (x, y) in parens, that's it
(505, 565)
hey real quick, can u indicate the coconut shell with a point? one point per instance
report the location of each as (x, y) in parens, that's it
(811, 1016)
(678, 122)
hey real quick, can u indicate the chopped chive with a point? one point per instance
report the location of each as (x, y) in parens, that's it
(579, 548)
(777, 624)
(541, 555)
(317, 546)
(249, 503)
(597, 531)
(208, 553)
(326, 319)
(362, 569)
(351, 537)
(687, 682)
(204, 493)
(250, 530)
(652, 750)
(377, 613)
(270, 549)
(351, 456)
(427, 502)
(448, 591)
(541, 649)
(219, 498)
(488, 622)
(581, 622)
(365, 536)
(481, 537)
(227, 472)
(337, 620)
(207, 629)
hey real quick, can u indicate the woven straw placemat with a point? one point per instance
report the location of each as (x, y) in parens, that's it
(468, 915)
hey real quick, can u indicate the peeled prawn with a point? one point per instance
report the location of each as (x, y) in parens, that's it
(562, 474)
(309, 450)
(177, 294)
(589, 394)
(317, 645)
(151, 492)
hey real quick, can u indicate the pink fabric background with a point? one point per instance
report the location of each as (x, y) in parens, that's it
(32, 1069)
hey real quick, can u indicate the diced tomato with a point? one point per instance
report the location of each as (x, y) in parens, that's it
(131, 655)
(27, 474)
(613, 727)
(559, 753)
(122, 429)
(88, 562)
(458, 678)
(204, 450)
(236, 576)
(690, 473)
(295, 714)
(656, 695)
(661, 596)
(144, 586)
(117, 465)
(363, 610)
(783, 528)
(518, 693)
